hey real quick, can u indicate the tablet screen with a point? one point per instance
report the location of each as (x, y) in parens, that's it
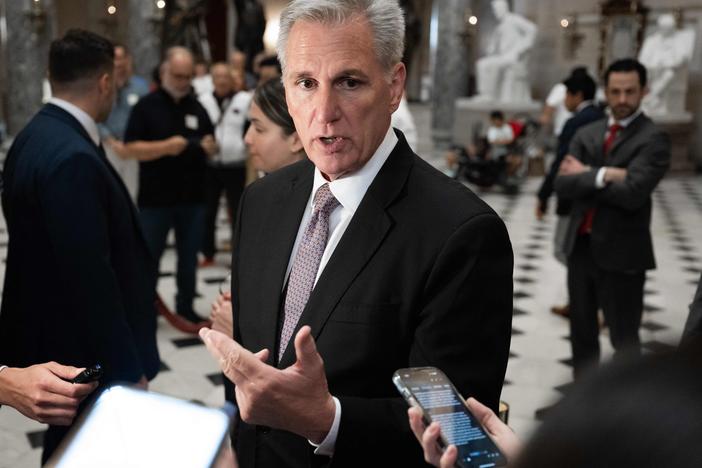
(127, 427)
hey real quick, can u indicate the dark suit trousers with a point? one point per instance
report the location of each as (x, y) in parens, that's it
(619, 294)
(227, 179)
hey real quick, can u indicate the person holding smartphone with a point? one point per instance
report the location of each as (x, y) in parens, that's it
(43, 392)
(632, 412)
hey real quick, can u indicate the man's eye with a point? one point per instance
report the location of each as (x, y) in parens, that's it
(306, 84)
(350, 83)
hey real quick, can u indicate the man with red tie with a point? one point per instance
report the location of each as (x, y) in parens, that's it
(613, 167)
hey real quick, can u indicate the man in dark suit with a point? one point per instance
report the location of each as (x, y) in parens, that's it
(613, 167)
(580, 92)
(76, 286)
(411, 268)
(693, 325)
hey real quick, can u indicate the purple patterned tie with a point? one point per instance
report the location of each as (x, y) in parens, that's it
(306, 263)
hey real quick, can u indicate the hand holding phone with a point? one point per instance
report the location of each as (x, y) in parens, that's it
(429, 390)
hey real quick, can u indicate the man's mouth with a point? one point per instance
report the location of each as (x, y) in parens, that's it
(333, 144)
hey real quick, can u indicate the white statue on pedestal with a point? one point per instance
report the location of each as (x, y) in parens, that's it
(666, 55)
(502, 74)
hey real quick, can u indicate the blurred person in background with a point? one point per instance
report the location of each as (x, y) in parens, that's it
(171, 135)
(129, 90)
(226, 170)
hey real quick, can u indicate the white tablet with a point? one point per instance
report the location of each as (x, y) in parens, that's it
(126, 427)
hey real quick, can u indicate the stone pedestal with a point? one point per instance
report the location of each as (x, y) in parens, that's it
(680, 128)
(450, 69)
(27, 52)
(472, 117)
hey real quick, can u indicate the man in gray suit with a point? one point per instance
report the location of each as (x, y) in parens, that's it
(613, 166)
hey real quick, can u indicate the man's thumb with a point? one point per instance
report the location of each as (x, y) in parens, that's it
(305, 347)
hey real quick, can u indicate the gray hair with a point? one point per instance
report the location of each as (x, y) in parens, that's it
(385, 17)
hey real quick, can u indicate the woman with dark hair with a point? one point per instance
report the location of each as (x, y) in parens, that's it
(272, 143)
(271, 139)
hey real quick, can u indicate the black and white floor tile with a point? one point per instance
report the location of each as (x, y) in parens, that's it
(538, 372)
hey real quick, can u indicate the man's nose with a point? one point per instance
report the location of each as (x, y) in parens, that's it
(326, 106)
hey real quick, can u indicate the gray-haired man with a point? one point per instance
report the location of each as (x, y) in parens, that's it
(364, 256)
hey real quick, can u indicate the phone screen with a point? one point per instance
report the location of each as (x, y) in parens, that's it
(129, 427)
(440, 403)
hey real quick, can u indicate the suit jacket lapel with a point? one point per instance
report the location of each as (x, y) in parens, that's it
(364, 235)
(597, 142)
(276, 243)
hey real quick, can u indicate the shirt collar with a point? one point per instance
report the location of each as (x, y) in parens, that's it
(349, 190)
(624, 122)
(81, 116)
(583, 105)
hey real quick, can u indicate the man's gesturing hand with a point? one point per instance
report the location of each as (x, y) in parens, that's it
(295, 399)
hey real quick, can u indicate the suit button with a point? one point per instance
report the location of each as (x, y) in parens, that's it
(263, 429)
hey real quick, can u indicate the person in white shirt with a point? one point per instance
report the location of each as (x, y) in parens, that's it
(227, 108)
(500, 135)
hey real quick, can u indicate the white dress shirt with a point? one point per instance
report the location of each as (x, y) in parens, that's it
(81, 116)
(349, 190)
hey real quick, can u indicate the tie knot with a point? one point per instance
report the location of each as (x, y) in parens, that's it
(324, 199)
(614, 128)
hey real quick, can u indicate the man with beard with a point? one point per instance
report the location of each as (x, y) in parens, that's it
(613, 167)
(171, 135)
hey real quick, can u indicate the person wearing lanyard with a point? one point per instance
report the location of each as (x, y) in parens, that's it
(613, 166)
(227, 108)
(171, 135)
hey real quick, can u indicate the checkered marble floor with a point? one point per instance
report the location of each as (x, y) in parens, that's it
(538, 372)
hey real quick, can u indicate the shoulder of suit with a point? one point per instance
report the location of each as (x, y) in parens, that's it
(433, 188)
(282, 177)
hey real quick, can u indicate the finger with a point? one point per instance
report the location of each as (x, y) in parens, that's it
(305, 348)
(416, 423)
(430, 443)
(484, 415)
(59, 386)
(263, 355)
(448, 459)
(64, 372)
(236, 362)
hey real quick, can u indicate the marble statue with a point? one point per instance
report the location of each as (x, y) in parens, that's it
(502, 74)
(666, 55)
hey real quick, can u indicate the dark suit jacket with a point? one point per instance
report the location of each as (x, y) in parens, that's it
(421, 277)
(621, 236)
(693, 325)
(76, 285)
(585, 116)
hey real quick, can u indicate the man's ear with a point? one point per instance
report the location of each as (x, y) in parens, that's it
(397, 85)
(105, 82)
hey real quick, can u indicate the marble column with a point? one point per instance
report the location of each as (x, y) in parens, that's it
(144, 35)
(451, 68)
(26, 55)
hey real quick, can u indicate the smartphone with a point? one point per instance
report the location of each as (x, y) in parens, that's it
(431, 391)
(91, 374)
(128, 427)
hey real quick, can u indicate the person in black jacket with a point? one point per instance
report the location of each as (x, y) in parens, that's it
(580, 92)
(76, 285)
